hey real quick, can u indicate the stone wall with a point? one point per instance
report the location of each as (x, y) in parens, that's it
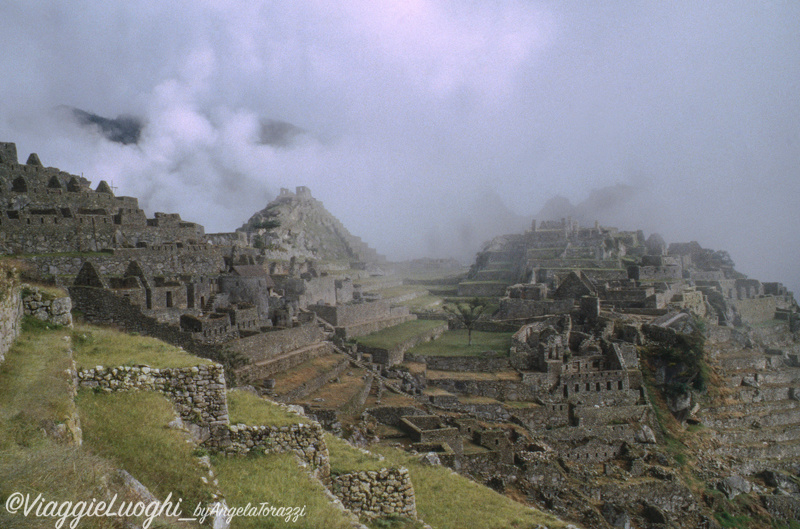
(495, 389)
(307, 441)
(254, 372)
(589, 415)
(346, 315)
(199, 260)
(461, 363)
(481, 289)
(515, 309)
(756, 310)
(387, 492)
(103, 307)
(272, 344)
(10, 317)
(397, 317)
(198, 391)
(45, 308)
(199, 395)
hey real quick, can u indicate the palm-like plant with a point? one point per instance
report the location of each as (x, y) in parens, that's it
(467, 314)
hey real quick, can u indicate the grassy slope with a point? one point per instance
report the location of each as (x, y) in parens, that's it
(275, 478)
(34, 386)
(130, 429)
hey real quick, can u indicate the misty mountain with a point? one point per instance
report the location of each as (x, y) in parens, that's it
(603, 204)
(278, 133)
(123, 129)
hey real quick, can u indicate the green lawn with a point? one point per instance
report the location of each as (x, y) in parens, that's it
(246, 408)
(454, 343)
(428, 302)
(392, 336)
(102, 346)
(400, 290)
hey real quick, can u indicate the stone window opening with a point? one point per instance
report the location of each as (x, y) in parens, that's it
(169, 299)
(608, 385)
(619, 384)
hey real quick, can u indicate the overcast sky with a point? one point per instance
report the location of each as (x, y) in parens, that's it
(417, 112)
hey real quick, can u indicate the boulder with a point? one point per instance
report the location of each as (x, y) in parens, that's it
(734, 485)
(430, 459)
(645, 435)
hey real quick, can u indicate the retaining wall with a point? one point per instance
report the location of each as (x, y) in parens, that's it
(387, 492)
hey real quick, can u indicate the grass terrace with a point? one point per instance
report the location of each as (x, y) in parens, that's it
(48, 292)
(392, 336)
(34, 385)
(454, 343)
(104, 346)
(345, 458)
(278, 480)
(130, 429)
(35, 395)
(245, 407)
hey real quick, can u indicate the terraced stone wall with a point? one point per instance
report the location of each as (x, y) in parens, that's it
(10, 317)
(198, 391)
(387, 492)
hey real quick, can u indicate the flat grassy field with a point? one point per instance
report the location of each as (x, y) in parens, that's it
(454, 343)
(392, 336)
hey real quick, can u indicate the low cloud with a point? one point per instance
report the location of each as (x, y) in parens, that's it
(410, 119)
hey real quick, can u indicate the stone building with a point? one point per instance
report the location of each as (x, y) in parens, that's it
(46, 210)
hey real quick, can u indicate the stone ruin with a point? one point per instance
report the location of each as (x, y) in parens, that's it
(45, 210)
